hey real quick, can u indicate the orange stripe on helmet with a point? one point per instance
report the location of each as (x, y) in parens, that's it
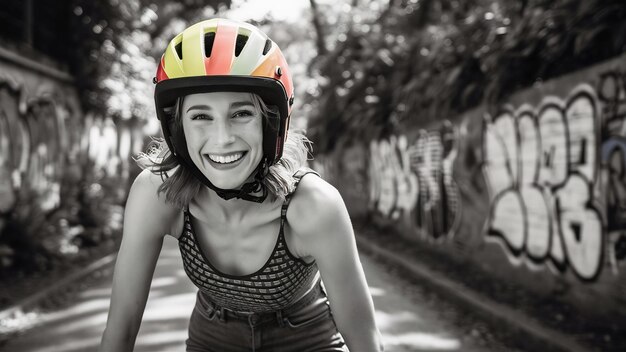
(225, 38)
(268, 69)
(161, 74)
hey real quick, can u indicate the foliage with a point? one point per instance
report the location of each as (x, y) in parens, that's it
(111, 49)
(94, 27)
(420, 60)
(35, 240)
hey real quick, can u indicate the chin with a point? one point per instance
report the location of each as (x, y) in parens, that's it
(227, 179)
(230, 180)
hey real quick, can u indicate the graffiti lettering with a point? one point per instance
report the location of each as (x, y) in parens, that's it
(14, 146)
(541, 169)
(612, 94)
(393, 187)
(36, 143)
(416, 179)
(46, 162)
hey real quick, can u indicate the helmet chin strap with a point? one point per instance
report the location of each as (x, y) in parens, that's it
(247, 190)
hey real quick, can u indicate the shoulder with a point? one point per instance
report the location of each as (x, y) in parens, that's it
(315, 203)
(145, 186)
(314, 190)
(145, 206)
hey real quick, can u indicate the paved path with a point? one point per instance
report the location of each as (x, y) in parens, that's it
(408, 320)
(79, 327)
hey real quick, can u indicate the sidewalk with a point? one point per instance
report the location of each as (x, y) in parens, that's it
(79, 327)
(408, 323)
(509, 320)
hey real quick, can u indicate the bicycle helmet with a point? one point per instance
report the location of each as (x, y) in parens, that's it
(225, 55)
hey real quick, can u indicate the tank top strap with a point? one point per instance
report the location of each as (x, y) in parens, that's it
(298, 177)
(186, 221)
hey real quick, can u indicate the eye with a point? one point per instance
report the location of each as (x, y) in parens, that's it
(243, 113)
(201, 117)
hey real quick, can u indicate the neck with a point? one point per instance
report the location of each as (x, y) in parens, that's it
(208, 200)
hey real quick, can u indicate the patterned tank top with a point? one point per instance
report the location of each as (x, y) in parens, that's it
(280, 282)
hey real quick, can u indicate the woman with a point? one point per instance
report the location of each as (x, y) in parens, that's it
(255, 230)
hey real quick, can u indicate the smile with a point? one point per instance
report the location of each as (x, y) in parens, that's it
(226, 158)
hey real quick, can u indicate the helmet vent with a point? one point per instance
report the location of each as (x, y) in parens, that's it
(209, 38)
(179, 50)
(268, 46)
(241, 42)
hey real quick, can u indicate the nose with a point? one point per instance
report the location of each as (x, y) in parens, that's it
(223, 133)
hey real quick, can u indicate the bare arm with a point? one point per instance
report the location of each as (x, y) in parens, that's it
(146, 220)
(322, 226)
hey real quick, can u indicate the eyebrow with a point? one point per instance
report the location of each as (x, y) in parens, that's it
(234, 105)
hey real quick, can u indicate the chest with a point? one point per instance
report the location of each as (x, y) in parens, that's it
(239, 247)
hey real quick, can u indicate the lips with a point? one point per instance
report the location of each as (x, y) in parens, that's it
(225, 159)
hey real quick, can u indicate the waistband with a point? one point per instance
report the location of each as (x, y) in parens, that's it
(252, 318)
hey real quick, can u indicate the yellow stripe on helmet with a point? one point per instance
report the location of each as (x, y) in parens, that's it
(173, 66)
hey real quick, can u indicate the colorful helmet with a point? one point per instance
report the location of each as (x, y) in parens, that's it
(225, 55)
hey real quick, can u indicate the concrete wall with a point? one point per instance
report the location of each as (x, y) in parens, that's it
(532, 191)
(45, 137)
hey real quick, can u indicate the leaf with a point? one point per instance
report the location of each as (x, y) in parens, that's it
(454, 74)
(619, 40)
(467, 94)
(586, 38)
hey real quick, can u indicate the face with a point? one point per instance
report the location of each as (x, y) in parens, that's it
(224, 134)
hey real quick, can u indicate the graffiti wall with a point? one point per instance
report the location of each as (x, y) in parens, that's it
(611, 89)
(414, 181)
(542, 173)
(534, 189)
(45, 137)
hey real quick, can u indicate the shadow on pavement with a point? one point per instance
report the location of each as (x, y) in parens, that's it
(79, 326)
(406, 323)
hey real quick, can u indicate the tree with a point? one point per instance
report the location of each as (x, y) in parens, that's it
(414, 61)
(115, 39)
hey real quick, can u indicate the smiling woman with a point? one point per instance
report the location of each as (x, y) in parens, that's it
(224, 136)
(258, 236)
(182, 185)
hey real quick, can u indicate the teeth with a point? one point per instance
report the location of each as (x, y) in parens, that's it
(225, 159)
